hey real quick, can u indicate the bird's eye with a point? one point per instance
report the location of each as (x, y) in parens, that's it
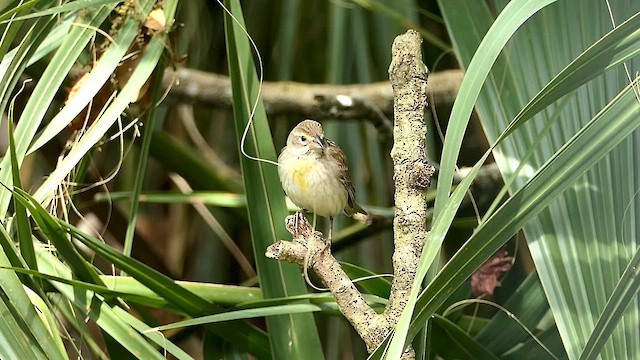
(303, 138)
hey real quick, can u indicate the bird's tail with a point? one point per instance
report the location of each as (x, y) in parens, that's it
(359, 214)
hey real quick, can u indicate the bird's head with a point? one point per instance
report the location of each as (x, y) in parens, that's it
(307, 138)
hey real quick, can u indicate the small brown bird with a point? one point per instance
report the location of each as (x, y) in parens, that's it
(314, 174)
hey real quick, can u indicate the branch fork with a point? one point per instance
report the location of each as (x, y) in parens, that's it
(412, 176)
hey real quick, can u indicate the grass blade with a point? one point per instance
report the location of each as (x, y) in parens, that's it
(45, 91)
(622, 296)
(22, 221)
(241, 334)
(619, 45)
(39, 335)
(509, 20)
(612, 125)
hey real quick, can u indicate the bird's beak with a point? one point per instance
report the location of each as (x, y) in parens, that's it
(320, 142)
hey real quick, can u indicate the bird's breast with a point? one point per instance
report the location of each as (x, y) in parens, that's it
(312, 185)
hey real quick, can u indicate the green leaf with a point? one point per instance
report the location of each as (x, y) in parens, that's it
(22, 221)
(101, 73)
(531, 350)
(44, 91)
(10, 250)
(509, 20)
(619, 45)
(243, 314)
(294, 336)
(56, 349)
(97, 309)
(240, 334)
(15, 61)
(528, 305)
(579, 244)
(13, 339)
(611, 126)
(58, 236)
(38, 334)
(226, 295)
(12, 29)
(157, 338)
(458, 343)
(72, 6)
(623, 295)
(111, 114)
(169, 9)
(99, 289)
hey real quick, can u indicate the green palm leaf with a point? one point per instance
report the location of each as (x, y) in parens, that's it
(581, 243)
(292, 336)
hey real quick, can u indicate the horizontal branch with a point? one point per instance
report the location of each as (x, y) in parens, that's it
(308, 100)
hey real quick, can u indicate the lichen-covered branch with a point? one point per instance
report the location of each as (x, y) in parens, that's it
(308, 248)
(412, 176)
(411, 172)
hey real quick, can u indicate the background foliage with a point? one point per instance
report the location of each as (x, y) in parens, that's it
(148, 215)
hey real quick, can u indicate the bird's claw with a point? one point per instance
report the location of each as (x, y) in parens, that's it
(297, 224)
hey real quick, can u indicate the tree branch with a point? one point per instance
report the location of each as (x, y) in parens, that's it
(411, 172)
(308, 100)
(308, 248)
(412, 176)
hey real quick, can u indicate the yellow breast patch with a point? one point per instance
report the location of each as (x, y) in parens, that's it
(300, 174)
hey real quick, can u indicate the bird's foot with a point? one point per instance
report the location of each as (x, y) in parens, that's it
(297, 224)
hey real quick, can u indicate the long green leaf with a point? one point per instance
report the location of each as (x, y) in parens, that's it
(73, 6)
(578, 244)
(97, 309)
(15, 61)
(13, 340)
(156, 337)
(528, 305)
(22, 221)
(225, 295)
(44, 92)
(513, 16)
(11, 30)
(101, 72)
(531, 350)
(10, 250)
(243, 314)
(267, 209)
(39, 336)
(44, 311)
(458, 343)
(509, 20)
(112, 113)
(612, 125)
(58, 237)
(619, 45)
(170, 8)
(622, 296)
(240, 334)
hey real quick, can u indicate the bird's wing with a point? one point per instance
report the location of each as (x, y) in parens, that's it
(333, 151)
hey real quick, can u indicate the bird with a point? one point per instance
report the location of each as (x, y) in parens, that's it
(314, 174)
